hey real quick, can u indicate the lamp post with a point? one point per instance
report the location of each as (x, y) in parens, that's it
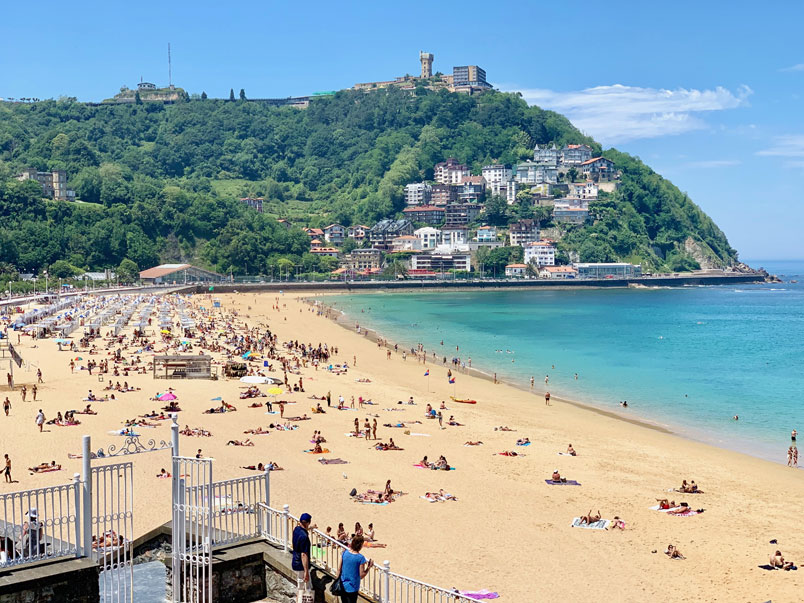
(47, 286)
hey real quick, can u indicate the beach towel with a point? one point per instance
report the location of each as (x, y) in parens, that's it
(566, 454)
(601, 524)
(569, 482)
(368, 502)
(333, 462)
(323, 451)
(432, 500)
(769, 567)
(480, 594)
(525, 444)
(421, 435)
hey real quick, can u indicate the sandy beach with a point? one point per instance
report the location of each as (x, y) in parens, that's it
(508, 531)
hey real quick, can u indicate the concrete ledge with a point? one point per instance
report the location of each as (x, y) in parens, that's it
(60, 580)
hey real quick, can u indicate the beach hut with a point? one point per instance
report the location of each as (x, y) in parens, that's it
(183, 367)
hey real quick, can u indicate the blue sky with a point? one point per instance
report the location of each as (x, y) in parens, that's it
(707, 93)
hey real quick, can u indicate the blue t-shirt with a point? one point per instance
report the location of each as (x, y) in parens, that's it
(350, 571)
(301, 544)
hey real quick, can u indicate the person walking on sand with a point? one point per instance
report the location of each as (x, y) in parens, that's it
(72, 366)
(7, 470)
(10, 380)
(40, 420)
(24, 392)
(39, 376)
(329, 398)
(374, 430)
(793, 435)
(6, 405)
(789, 456)
(440, 420)
(547, 398)
(33, 391)
(531, 382)
(795, 456)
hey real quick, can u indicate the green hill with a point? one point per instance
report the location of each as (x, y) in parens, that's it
(160, 181)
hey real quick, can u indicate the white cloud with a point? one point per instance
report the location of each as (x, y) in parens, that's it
(714, 163)
(797, 67)
(790, 147)
(615, 114)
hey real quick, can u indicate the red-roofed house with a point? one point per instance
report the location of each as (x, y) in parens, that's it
(516, 270)
(599, 168)
(558, 272)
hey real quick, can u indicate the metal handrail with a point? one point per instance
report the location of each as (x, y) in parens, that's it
(380, 584)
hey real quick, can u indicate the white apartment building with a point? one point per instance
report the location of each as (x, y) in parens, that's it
(496, 174)
(450, 172)
(583, 190)
(506, 190)
(418, 193)
(430, 237)
(541, 253)
(534, 173)
(453, 236)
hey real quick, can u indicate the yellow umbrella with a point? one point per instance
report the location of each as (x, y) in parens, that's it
(275, 391)
(165, 331)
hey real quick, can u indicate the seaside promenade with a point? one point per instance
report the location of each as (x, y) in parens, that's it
(507, 528)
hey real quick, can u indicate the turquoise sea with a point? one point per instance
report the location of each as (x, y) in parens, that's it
(687, 358)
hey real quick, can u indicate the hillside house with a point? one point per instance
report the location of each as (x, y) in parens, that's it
(540, 253)
(558, 272)
(523, 232)
(428, 214)
(334, 233)
(575, 154)
(599, 168)
(429, 237)
(384, 231)
(450, 172)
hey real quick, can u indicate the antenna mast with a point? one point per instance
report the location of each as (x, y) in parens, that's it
(170, 69)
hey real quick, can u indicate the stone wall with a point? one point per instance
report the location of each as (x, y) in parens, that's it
(61, 581)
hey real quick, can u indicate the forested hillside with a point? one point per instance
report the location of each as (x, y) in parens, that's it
(160, 182)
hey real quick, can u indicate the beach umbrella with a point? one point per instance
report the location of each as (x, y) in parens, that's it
(253, 379)
(218, 399)
(62, 340)
(165, 331)
(275, 391)
(78, 358)
(167, 397)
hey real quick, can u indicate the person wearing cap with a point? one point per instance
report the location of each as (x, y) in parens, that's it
(32, 535)
(301, 551)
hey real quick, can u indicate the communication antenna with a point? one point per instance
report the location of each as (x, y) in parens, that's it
(170, 69)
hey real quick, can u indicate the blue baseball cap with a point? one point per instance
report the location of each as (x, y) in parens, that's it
(305, 517)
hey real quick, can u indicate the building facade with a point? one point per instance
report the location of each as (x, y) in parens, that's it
(430, 237)
(428, 214)
(54, 184)
(359, 260)
(535, 173)
(516, 270)
(558, 272)
(575, 154)
(460, 214)
(334, 233)
(384, 231)
(443, 194)
(598, 168)
(450, 172)
(418, 193)
(541, 253)
(496, 173)
(608, 270)
(441, 262)
(486, 234)
(549, 155)
(523, 232)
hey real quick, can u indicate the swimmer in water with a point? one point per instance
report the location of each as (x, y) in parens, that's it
(736, 417)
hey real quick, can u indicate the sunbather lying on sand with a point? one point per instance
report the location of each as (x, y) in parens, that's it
(505, 428)
(673, 552)
(508, 453)
(197, 431)
(666, 504)
(389, 446)
(255, 405)
(246, 442)
(470, 443)
(523, 441)
(589, 518)
(45, 467)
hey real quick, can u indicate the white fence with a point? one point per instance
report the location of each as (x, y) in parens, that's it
(380, 584)
(39, 524)
(235, 512)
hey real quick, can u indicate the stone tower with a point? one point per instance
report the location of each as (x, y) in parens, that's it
(427, 63)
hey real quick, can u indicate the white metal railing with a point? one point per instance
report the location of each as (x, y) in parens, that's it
(235, 516)
(380, 584)
(39, 524)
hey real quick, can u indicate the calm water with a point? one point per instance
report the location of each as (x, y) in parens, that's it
(688, 359)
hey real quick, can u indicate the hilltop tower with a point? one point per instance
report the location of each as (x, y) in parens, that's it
(427, 63)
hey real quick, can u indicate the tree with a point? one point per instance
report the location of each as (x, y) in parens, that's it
(242, 94)
(395, 269)
(231, 94)
(63, 269)
(203, 96)
(349, 245)
(572, 174)
(137, 99)
(128, 272)
(496, 211)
